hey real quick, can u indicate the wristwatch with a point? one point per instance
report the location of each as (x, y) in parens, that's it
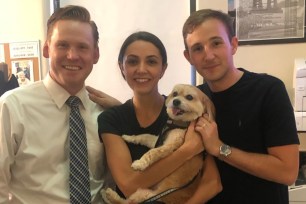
(225, 150)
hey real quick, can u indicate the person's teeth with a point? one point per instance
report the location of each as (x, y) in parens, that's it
(142, 80)
(72, 67)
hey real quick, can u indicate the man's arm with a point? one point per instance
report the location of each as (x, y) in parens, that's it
(101, 98)
(279, 165)
(5, 150)
(281, 159)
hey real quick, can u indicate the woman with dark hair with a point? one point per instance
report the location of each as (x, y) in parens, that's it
(143, 61)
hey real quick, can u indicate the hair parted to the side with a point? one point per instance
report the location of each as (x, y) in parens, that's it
(198, 17)
(72, 12)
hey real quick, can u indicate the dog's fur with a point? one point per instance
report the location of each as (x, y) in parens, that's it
(184, 104)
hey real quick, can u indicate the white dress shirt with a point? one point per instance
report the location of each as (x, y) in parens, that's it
(34, 163)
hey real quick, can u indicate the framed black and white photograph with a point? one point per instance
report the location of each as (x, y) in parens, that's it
(268, 21)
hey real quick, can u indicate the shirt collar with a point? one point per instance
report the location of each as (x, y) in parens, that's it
(59, 95)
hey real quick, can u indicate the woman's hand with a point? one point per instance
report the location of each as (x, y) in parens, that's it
(102, 98)
(193, 143)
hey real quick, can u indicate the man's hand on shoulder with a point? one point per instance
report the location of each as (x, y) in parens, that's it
(101, 98)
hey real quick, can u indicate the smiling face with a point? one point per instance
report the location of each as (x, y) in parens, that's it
(72, 53)
(211, 51)
(142, 67)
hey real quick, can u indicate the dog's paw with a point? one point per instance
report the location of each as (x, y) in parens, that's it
(127, 138)
(139, 165)
(110, 196)
(104, 194)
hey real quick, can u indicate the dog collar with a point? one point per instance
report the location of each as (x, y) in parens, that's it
(177, 124)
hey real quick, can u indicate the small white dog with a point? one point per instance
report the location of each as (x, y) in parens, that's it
(184, 104)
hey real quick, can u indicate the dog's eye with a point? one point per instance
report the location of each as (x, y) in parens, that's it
(189, 97)
(174, 94)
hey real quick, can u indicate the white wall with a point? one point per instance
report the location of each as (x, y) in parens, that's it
(116, 19)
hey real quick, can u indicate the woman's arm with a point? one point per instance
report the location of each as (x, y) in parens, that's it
(129, 180)
(210, 184)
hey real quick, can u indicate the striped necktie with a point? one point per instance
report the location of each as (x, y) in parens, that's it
(79, 184)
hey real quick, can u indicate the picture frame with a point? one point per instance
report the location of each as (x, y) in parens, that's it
(23, 70)
(22, 56)
(268, 21)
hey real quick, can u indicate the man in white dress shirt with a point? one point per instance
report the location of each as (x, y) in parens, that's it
(34, 120)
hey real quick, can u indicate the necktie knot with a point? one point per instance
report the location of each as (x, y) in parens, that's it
(73, 101)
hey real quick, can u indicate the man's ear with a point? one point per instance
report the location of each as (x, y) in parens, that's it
(96, 55)
(187, 56)
(46, 50)
(234, 43)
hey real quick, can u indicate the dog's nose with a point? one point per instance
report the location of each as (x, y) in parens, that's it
(176, 102)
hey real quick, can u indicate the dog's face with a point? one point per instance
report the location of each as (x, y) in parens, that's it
(187, 103)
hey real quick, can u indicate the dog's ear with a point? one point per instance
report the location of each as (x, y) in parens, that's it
(169, 97)
(209, 108)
